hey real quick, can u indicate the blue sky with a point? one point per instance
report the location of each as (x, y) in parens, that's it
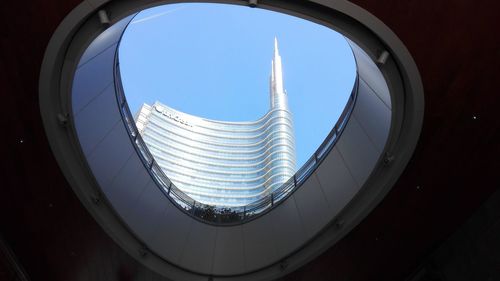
(214, 61)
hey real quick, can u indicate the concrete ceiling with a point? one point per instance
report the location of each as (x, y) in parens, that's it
(454, 169)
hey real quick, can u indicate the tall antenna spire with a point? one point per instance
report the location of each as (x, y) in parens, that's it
(276, 52)
(277, 72)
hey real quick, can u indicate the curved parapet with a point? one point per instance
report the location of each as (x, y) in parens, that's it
(99, 149)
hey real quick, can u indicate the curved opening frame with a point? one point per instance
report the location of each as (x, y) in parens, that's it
(366, 31)
(233, 215)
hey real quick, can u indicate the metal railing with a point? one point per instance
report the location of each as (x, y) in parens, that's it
(228, 215)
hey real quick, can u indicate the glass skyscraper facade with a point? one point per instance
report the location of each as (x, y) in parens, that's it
(224, 163)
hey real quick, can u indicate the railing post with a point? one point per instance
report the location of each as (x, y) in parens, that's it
(272, 199)
(169, 187)
(244, 211)
(294, 181)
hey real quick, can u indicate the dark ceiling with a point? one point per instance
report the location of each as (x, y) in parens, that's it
(455, 168)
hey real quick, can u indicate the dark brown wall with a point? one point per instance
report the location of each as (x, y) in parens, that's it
(471, 253)
(457, 49)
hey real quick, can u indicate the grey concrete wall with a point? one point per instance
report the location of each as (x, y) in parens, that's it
(202, 248)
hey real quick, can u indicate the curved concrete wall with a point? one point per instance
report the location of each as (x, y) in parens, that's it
(227, 250)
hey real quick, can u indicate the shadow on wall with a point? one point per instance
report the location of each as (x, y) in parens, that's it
(471, 253)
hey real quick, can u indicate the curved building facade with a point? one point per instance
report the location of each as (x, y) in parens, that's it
(224, 163)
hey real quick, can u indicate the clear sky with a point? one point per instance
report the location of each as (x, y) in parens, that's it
(214, 61)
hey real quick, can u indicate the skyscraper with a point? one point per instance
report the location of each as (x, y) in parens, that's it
(224, 163)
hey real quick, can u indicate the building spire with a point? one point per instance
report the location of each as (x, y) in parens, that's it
(276, 83)
(276, 52)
